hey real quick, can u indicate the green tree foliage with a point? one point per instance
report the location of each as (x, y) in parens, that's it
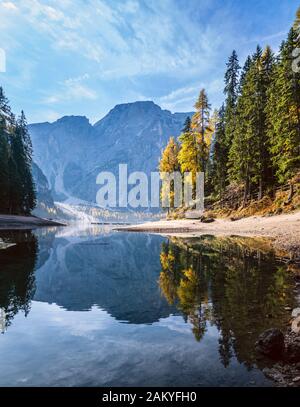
(231, 93)
(219, 156)
(244, 72)
(253, 143)
(5, 115)
(16, 184)
(222, 282)
(187, 125)
(283, 112)
(249, 157)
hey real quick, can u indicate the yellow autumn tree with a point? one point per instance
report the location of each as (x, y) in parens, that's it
(169, 164)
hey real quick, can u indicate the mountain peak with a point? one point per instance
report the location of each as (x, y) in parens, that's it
(73, 120)
(75, 151)
(137, 109)
(145, 104)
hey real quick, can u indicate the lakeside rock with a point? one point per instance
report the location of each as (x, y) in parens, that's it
(205, 219)
(271, 343)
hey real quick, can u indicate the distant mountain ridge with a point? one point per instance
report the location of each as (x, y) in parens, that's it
(71, 152)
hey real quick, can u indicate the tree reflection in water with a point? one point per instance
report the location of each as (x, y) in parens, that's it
(234, 284)
(17, 281)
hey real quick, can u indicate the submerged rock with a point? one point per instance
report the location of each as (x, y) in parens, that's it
(271, 343)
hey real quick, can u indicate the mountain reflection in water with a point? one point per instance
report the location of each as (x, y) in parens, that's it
(209, 297)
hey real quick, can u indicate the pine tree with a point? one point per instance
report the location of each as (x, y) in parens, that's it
(199, 126)
(243, 150)
(4, 152)
(16, 189)
(187, 125)
(265, 76)
(25, 165)
(210, 143)
(231, 93)
(260, 75)
(226, 124)
(249, 155)
(219, 156)
(244, 72)
(283, 113)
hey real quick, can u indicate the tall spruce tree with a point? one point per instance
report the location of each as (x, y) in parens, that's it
(283, 113)
(24, 151)
(243, 149)
(187, 125)
(244, 72)
(17, 191)
(219, 155)
(16, 188)
(4, 152)
(249, 155)
(226, 124)
(231, 95)
(199, 125)
(265, 71)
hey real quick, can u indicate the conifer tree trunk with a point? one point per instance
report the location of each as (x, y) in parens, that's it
(260, 190)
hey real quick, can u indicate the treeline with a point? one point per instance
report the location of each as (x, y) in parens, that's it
(252, 143)
(17, 190)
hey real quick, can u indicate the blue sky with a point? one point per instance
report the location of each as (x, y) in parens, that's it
(84, 57)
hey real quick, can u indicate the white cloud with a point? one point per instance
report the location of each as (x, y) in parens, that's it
(8, 5)
(80, 78)
(128, 39)
(72, 90)
(280, 34)
(184, 98)
(53, 13)
(128, 47)
(181, 93)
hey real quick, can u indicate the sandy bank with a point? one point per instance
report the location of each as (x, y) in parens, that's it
(25, 222)
(284, 229)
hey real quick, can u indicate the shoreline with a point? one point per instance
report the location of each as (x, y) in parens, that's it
(16, 222)
(284, 230)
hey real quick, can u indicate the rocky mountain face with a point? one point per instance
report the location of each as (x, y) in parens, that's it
(45, 204)
(42, 187)
(71, 152)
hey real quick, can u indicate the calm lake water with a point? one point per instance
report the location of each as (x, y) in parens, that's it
(101, 308)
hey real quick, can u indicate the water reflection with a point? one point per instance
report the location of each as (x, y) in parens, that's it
(17, 281)
(116, 272)
(231, 283)
(109, 308)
